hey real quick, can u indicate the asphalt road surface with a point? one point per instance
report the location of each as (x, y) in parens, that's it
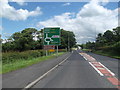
(79, 70)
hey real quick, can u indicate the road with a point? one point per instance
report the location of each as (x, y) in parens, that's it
(79, 70)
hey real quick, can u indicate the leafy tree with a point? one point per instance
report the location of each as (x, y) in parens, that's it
(67, 39)
(100, 40)
(109, 41)
(109, 36)
(24, 39)
(8, 46)
(90, 45)
(116, 32)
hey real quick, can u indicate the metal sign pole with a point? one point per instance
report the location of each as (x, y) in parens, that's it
(46, 53)
(57, 50)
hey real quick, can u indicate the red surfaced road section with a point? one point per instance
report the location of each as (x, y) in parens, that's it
(114, 80)
(108, 74)
(103, 70)
(118, 87)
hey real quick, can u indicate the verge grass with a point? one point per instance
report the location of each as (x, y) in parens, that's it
(104, 53)
(109, 54)
(87, 50)
(24, 63)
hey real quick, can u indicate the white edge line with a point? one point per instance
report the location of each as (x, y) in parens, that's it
(38, 79)
(96, 69)
(107, 69)
(83, 56)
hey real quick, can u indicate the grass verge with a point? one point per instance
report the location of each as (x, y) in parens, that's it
(101, 52)
(109, 54)
(24, 63)
(87, 50)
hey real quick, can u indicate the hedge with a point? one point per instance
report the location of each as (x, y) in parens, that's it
(14, 56)
(9, 57)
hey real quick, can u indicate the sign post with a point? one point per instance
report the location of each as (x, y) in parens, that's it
(52, 37)
(46, 53)
(48, 47)
(57, 51)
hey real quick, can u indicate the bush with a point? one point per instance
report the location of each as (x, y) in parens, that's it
(116, 47)
(62, 50)
(9, 57)
(14, 56)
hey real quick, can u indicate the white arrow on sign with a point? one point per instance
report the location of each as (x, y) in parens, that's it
(48, 38)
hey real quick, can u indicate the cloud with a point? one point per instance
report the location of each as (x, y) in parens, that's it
(104, 2)
(20, 2)
(66, 4)
(1, 28)
(92, 19)
(11, 13)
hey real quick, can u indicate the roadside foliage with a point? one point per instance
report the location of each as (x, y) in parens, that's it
(28, 44)
(107, 43)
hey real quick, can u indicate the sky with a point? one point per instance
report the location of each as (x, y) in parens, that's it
(85, 19)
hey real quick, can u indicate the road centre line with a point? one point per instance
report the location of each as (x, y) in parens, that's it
(38, 79)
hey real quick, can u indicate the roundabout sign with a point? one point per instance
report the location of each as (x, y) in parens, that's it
(51, 39)
(52, 36)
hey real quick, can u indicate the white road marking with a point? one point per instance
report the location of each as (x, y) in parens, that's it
(107, 69)
(38, 79)
(85, 58)
(100, 68)
(96, 69)
(96, 64)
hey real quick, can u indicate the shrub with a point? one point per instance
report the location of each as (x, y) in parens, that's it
(14, 56)
(116, 47)
(9, 57)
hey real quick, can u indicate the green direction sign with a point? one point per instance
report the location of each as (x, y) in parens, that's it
(52, 36)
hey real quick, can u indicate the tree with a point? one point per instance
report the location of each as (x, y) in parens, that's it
(8, 46)
(67, 39)
(116, 32)
(90, 45)
(24, 39)
(109, 36)
(100, 40)
(31, 39)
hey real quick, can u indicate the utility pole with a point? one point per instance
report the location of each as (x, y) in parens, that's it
(95, 38)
